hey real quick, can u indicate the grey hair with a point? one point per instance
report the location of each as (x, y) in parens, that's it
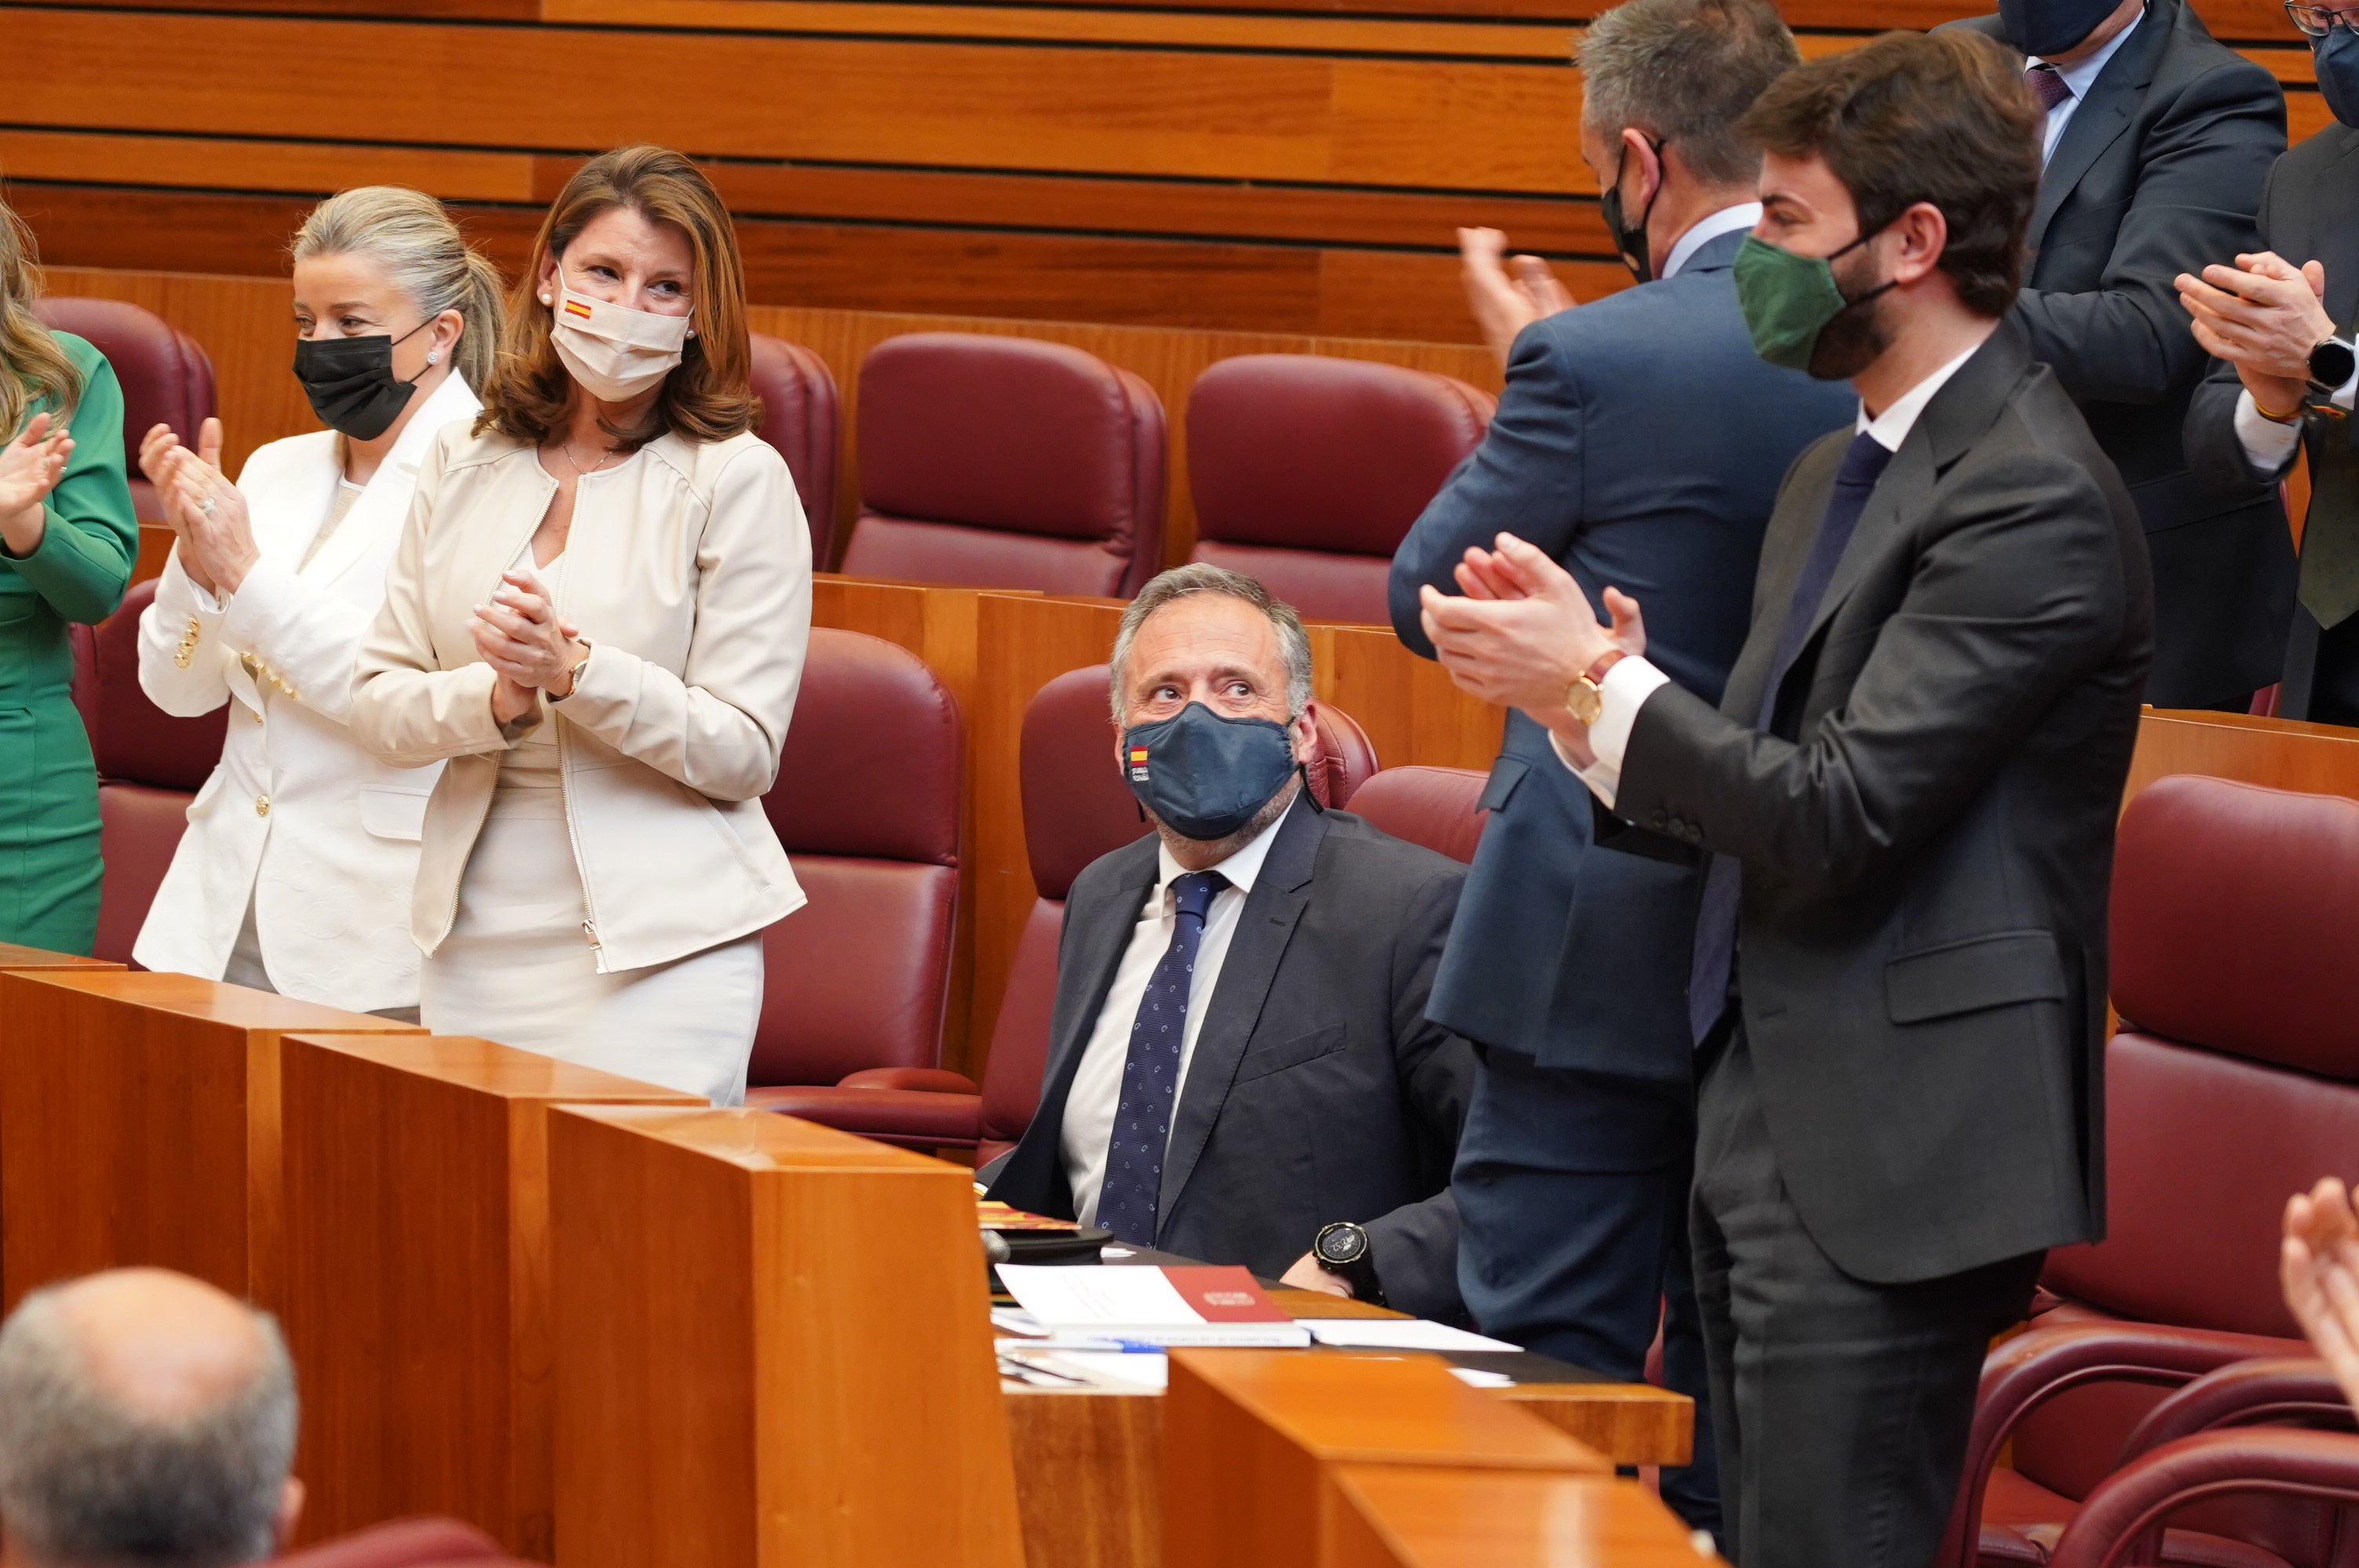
(1200, 576)
(83, 1480)
(1685, 71)
(411, 235)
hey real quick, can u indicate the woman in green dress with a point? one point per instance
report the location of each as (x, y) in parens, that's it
(68, 537)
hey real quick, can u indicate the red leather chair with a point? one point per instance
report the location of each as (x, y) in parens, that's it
(798, 418)
(1307, 472)
(2307, 1470)
(1438, 807)
(150, 765)
(401, 1543)
(1006, 463)
(165, 375)
(2233, 1082)
(1076, 808)
(867, 806)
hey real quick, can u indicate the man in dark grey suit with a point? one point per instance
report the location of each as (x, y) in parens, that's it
(1638, 441)
(2282, 322)
(1908, 789)
(1240, 1064)
(2157, 139)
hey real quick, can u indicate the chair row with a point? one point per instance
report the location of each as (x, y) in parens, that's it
(1009, 462)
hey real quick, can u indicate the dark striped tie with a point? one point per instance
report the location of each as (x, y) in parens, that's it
(1150, 1075)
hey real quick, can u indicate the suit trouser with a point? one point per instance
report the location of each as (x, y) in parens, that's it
(2322, 676)
(1840, 1407)
(1572, 1197)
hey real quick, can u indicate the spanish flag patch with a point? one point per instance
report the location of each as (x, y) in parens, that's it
(575, 307)
(1138, 764)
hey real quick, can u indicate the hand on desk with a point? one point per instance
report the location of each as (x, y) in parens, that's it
(2319, 1266)
(1304, 1274)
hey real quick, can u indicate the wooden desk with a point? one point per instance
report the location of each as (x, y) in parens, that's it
(766, 1350)
(416, 1289)
(1253, 1439)
(139, 1124)
(2282, 754)
(13, 956)
(1397, 1516)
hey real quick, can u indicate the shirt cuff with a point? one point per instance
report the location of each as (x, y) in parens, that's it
(2269, 445)
(1625, 690)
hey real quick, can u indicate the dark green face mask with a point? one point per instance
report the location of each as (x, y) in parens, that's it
(1789, 300)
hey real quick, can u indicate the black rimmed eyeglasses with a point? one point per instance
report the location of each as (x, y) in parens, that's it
(2317, 21)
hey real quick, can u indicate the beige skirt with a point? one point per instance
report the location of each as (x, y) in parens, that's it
(518, 967)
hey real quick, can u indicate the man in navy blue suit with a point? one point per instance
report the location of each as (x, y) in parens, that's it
(1640, 440)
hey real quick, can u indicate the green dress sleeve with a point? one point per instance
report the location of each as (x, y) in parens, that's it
(92, 537)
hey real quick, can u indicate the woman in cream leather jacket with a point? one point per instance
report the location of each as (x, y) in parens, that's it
(295, 869)
(597, 614)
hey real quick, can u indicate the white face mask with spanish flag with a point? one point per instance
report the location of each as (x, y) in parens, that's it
(616, 353)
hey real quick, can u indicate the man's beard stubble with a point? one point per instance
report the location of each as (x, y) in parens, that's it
(1855, 338)
(1213, 851)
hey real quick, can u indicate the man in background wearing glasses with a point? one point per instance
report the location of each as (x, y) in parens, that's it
(2156, 141)
(2280, 323)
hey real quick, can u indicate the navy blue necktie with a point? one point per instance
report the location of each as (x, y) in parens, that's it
(1715, 937)
(1150, 1075)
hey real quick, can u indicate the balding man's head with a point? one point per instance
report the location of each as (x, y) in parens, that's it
(145, 1418)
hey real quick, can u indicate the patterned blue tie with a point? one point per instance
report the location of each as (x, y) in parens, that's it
(1715, 937)
(1150, 1076)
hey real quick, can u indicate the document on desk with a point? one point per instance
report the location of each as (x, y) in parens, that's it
(1120, 1306)
(1398, 1334)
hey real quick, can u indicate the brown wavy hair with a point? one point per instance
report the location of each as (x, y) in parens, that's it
(33, 365)
(710, 395)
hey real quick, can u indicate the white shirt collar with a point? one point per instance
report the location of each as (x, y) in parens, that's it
(1892, 427)
(1705, 230)
(1241, 868)
(2081, 77)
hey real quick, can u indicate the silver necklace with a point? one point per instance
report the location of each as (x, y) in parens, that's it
(565, 450)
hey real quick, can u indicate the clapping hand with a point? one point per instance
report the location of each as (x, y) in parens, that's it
(1506, 294)
(2263, 316)
(521, 635)
(203, 508)
(2317, 1264)
(1524, 631)
(30, 467)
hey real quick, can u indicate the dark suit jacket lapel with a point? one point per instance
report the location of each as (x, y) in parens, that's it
(2104, 114)
(1097, 931)
(1264, 928)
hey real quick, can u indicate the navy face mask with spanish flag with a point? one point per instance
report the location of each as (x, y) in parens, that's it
(1205, 776)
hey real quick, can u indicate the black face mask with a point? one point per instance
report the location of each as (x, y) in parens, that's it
(1203, 775)
(2044, 28)
(1629, 240)
(350, 382)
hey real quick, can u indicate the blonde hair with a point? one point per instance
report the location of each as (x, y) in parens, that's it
(710, 397)
(410, 234)
(33, 365)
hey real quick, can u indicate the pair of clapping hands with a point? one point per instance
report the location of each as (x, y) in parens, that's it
(30, 467)
(1520, 632)
(2264, 316)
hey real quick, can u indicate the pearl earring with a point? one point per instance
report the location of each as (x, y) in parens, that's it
(433, 356)
(544, 299)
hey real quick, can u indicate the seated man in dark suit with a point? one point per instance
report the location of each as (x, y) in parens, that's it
(1239, 1058)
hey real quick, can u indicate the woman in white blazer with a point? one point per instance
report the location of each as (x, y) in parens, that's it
(296, 870)
(598, 615)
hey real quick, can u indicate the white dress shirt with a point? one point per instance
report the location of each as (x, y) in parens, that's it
(1096, 1095)
(2078, 79)
(2269, 445)
(1630, 683)
(1705, 230)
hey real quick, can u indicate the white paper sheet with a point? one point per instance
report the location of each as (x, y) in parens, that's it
(1398, 1334)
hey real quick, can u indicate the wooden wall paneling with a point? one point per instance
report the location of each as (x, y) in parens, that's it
(1407, 705)
(311, 168)
(2281, 753)
(14, 955)
(1251, 1440)
(1022, 644)
(769, 1350)
(417, 1301)
(139, 1124)
(1400, 1515)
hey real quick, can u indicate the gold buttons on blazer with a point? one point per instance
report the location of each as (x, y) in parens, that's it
(188, 647)
(262, 805)
(263, 673)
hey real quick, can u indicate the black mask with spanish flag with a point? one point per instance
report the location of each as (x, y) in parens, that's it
(1205, 776)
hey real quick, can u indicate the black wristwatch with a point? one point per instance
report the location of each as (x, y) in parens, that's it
(2330, 364)
(1343, 1250)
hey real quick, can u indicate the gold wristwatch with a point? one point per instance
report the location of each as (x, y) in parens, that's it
(1585, 697)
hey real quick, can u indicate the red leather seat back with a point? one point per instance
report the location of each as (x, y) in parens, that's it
(400, 1544)
(867, 806)
(1006, 463)
(1433, 806)
(1307, 472)
(150, 765)
(166, 377)
(799, 409)
(1345, 758)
